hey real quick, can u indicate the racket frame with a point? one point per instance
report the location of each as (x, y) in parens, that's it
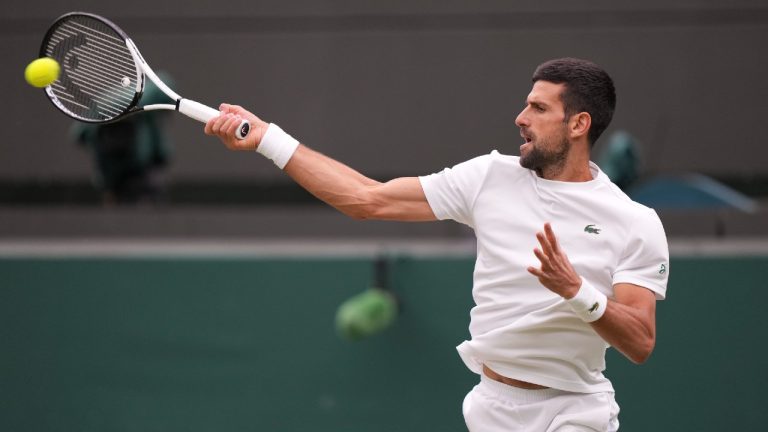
(188, 107)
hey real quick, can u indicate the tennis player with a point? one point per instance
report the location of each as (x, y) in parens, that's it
(567, 264)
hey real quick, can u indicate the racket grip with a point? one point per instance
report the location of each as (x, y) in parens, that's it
(203, 113)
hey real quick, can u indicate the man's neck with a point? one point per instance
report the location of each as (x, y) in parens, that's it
(574, 169)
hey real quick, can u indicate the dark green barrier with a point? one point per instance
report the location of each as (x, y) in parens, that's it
(708, 372)
(241, 344)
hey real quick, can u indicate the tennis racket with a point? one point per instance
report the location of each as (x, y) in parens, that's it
(103, 74)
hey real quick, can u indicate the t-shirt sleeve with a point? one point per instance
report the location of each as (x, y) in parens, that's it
(451, 192)
(645, 261)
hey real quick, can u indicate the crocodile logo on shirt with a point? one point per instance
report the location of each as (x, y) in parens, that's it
(591, 229)
(593, 308)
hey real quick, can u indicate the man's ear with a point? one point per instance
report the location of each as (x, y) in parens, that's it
(579, 124)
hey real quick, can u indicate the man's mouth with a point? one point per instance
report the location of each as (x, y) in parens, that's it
(527, 136)
(527, 140)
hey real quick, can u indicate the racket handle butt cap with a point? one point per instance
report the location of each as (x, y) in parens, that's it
(243, 129)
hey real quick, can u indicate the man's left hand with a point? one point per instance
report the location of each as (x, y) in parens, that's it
(556, 272)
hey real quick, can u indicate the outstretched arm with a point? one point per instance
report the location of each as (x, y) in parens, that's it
(629, 321)
(342, 187)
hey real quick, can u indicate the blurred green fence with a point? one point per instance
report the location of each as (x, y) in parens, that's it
(197, 344)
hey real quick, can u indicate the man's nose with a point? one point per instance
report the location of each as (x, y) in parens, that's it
(522, 119)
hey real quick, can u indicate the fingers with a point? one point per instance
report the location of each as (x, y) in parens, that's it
(544, 242)
(543, 258)
(548, 250)
(536, 272)
(233, 109)
(222, 124)
(555, 271)
(213, 125)
(550, 234)
(219, 125)
(231, 125)
(547, 240)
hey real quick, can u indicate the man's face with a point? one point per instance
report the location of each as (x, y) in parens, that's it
(543, 127)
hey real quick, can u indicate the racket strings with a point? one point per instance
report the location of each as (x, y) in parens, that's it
(99, 77)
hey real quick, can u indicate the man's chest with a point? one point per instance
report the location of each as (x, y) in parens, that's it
(589, 232)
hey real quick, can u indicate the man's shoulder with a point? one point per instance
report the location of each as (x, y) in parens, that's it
(503, 158)
(491, 161)
(624, 206)
(495, 156)
(619, 196)
(508, 164)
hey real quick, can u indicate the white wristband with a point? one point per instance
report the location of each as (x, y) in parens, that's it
(589, 303)
(277, 145)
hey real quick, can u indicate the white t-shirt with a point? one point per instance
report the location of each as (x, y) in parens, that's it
(519, 328)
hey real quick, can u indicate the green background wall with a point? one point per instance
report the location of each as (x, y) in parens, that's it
(161, 344)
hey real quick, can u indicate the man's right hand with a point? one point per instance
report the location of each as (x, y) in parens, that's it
(225, 125)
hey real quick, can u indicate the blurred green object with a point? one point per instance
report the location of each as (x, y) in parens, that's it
(620, 159)
(366, 314)
(127, 152)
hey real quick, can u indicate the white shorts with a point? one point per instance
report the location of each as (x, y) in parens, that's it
(496, 407)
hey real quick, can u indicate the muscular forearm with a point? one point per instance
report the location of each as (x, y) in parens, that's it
(627, 329)
(331, 181)
(356, 195)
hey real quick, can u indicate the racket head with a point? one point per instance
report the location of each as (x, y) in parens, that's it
(100, 79)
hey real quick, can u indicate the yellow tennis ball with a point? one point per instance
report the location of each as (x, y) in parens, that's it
(42, 72)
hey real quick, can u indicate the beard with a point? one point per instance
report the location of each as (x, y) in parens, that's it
(546, 155)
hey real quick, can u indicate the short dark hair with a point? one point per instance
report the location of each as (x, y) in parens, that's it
(588, 88)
